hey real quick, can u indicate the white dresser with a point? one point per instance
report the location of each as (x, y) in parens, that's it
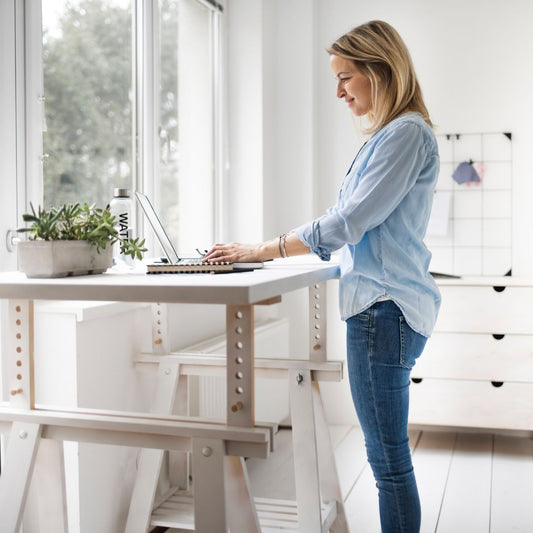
(477, 368)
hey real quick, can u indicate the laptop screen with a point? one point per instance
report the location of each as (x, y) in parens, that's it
(158, 228)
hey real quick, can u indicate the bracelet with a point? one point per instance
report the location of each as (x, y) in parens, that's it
(285, 254)
(279, 246)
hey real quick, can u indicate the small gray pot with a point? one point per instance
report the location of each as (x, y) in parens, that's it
(58, 259)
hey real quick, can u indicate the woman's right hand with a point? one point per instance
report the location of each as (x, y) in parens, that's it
(234, 252)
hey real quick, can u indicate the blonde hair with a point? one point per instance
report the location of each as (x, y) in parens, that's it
(377, 49)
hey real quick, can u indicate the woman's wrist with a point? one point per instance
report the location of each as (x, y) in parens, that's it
(268, 250)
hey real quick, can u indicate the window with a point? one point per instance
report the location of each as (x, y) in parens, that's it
(101, 127)
(187, 121)
(87, 71)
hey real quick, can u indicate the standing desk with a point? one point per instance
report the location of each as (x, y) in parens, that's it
(221, 495)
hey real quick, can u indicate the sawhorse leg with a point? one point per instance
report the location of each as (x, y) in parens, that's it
(305, 451)
(314, 462)
(16, 473)
(222, 496)
(150, 460)
(168, 385)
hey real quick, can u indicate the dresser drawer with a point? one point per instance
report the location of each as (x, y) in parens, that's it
(486, 309)
(471, 404)
(477, 357)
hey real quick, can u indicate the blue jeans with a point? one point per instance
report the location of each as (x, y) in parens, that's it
(382, 349)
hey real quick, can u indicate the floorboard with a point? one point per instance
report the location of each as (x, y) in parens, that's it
(512, 485)
(431, 460)
(466, 501)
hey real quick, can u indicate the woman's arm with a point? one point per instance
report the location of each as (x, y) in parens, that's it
(283, 246)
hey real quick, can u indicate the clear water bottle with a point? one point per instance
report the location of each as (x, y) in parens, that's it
(120, 207)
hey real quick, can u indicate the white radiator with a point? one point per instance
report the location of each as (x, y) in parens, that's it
(207, 394)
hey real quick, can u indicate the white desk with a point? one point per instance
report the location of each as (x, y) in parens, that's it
(221, 493)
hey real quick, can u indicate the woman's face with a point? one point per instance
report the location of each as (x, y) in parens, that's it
(352, 85)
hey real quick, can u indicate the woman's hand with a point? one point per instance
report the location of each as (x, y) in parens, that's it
(234, 252)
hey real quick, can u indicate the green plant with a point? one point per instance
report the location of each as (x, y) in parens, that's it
(76, 222)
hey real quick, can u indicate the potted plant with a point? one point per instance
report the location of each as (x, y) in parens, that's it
(71, 240)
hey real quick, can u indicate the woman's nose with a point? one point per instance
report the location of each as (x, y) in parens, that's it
(340, 91)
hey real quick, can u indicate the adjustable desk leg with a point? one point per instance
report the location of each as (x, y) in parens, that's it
(304, 429)
(314, 462)
(17, 467)
(242, 515)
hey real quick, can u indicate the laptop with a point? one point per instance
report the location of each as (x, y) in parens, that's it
(174, 264)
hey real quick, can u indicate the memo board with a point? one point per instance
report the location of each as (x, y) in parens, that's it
(470, 231)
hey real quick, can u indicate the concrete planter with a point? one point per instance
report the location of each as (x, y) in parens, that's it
(58, 259)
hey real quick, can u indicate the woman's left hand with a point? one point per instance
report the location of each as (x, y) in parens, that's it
(234, 252)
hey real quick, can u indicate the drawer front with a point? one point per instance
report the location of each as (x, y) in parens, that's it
(477, 357)
(485, 310)
(471, 404)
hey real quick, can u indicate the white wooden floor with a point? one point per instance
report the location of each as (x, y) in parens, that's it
(468, 483)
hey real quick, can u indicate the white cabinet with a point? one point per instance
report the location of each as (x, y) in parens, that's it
(477, 368)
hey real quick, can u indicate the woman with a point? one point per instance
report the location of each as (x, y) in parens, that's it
(387, 297)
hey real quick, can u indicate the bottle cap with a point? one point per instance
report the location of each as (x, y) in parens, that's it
(117, 193)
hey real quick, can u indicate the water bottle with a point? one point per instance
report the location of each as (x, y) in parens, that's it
(120, 207)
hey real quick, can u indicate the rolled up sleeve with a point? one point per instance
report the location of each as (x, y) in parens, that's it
(309, 234)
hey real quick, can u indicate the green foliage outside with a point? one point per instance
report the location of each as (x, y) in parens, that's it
(89, 112)
(87, 80)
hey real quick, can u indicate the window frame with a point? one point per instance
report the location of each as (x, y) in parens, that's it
(145, 125)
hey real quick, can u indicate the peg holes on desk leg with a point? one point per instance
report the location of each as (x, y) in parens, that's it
(497, 384)
(498, 336)
(317, 322)
(416, 380)
(239, 378)
(20, 353)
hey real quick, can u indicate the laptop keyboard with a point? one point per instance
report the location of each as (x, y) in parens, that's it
(191, 261)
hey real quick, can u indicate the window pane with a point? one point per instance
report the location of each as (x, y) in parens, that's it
(87, 60)
(186, 193)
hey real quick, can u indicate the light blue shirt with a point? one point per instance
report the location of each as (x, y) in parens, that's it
(379, 222)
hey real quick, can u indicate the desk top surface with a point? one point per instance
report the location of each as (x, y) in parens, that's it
(276, 278)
